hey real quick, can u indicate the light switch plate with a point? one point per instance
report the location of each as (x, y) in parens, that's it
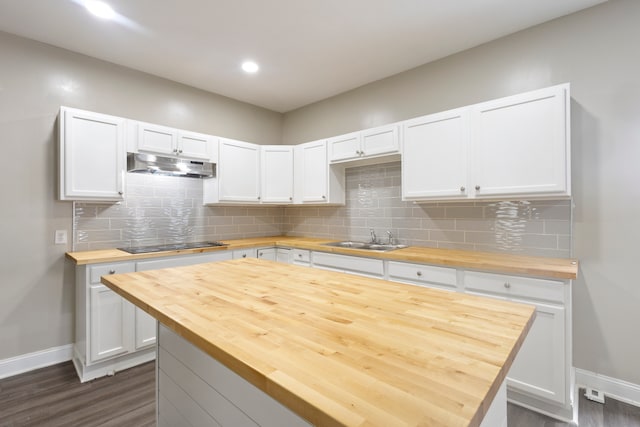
(61, 237)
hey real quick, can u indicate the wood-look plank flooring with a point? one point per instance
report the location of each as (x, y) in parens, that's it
(54, 397)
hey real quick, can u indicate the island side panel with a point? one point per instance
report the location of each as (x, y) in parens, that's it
(195, 389)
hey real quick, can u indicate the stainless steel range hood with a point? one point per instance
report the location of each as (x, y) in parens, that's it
(159, 165)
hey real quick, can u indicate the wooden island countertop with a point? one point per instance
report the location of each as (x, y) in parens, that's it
(339, 349)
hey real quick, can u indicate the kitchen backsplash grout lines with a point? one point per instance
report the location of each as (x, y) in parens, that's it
(169, 209)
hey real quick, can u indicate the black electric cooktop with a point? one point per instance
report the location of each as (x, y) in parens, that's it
(171, 247)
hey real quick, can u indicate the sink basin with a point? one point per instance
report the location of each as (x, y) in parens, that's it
(365, 246)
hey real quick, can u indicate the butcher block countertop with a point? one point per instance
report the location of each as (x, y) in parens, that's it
(558, 268)
(339, 349)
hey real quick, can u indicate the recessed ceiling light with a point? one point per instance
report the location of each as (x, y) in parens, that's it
(100, 9)
(250, 66)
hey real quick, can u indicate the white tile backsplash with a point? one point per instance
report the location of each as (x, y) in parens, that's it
(161, 209)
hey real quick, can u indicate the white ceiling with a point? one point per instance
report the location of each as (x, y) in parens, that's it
(308, 50)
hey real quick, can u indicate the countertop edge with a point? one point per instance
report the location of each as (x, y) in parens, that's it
(543, 267)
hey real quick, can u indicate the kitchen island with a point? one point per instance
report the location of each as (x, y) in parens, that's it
(289, 345)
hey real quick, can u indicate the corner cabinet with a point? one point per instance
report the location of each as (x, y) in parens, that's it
(237, 178)
(513, 147)
(369, 143)
(315, 181)
(276, 172)
(92, 156)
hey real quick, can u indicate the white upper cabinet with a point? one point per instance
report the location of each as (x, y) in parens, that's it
(276, 173)
(521, 144)
(434, 155)
(368, 143)
(315, 181)
(197, 146)
(518, 146)
(92, 156)
(158, 139)
(238, 174)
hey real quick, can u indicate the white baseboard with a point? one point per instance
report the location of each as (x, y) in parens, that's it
(618, 389)
(38, 359)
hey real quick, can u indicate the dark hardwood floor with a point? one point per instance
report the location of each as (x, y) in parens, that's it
(54, 397)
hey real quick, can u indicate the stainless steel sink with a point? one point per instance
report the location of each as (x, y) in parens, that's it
(365, 246)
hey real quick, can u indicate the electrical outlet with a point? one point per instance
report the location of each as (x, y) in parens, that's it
(595, 395)
(61, 237)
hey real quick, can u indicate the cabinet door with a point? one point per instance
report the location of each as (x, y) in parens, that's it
(423, 275)
(145, 326)
(109, 319)
(157, 139)
(434, 158)
(539, 368)
(195, 145)
(521, 144)
(344, 147)
(311, 172)
(380, 140)
(92, 156)
(284, 255)
(239, 171)
(277, 173)
(267, 253)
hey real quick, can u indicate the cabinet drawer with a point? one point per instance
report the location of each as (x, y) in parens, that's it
(245, 253)
(374, 267)
(301, 255)
(97, 271)
(182, 260)
(515, 286)
(422, 274)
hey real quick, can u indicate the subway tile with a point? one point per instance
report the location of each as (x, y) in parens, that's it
(463, 212)
(103, 235)
(243, 220)
(560, 227)
(428, 211)
(482, 237)
(474, 224)
(454, 245)
(564, 243)
(235, 211)
(540, 241)
(438, 224)
(92, 223)
(413, 223)
(447, 236)
(558, 212)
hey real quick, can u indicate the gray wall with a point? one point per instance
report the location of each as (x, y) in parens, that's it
(36, 303)
(597, 51)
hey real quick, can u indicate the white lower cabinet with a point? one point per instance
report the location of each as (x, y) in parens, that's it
(108, 321)
(361, 266)
(267, 253)
(111, 333)
(541, 369)
(245, 253)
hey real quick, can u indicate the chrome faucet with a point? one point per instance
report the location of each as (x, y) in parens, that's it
(374, 238)
(390, 237)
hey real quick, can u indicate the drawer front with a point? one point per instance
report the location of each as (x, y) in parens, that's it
(515, 286)
(245, 253)
(301, 255)
(96, 271)
(420, 273)
(369, 266)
